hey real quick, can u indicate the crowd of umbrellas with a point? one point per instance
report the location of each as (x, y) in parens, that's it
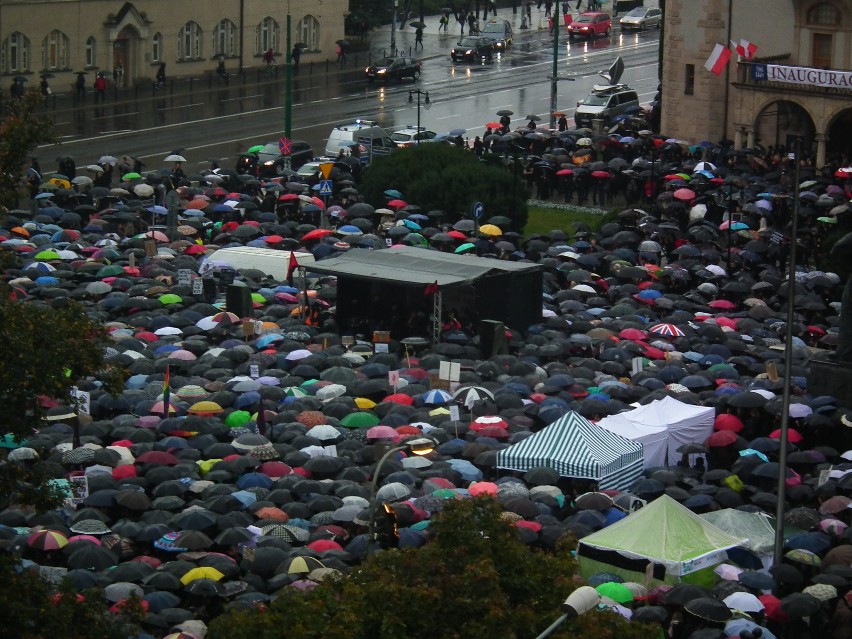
(253, 472)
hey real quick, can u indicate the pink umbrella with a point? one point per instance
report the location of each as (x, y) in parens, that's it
(684, 194)
(381, 432)
(483, 488)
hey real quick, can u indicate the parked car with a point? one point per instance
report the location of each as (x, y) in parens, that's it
(590, 24)
(500, 31)
(410, 135)
(606, 102)
(473, 48)
(393, 69)
(269, 162)
(641, 18)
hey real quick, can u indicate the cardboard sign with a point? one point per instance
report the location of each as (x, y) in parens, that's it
(184, 276)
(347, 340)
(198, 286)
(454, 412)
(449, 371)
(637, 365)
(79, 485)
(393, 378)
(254, 371)
(150, 246)
(83, 400)
(381, 348)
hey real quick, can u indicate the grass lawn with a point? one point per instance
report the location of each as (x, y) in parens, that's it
(542, 220)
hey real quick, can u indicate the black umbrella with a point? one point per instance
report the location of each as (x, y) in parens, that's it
(800, 604)
(709, 609)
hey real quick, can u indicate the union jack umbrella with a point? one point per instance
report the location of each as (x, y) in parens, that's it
(668, 330)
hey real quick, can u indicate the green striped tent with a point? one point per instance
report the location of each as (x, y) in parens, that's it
(575, 447)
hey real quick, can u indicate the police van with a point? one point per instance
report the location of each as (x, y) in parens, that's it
(361, 136)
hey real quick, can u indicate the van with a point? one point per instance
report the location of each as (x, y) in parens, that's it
(272, 262)
(370, 139)
(606, 102)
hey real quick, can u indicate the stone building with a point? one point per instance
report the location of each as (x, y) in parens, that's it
(128, 41)
(797, 87)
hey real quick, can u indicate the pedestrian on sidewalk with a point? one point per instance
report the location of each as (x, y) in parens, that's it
(100, 88)
(462, 18)
(161, 75)
(80, 86)
(295, 55)
(418, 38)
(472, 28)
(443, 22)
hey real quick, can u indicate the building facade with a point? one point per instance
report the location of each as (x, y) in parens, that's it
(798, 87)
(128, 41)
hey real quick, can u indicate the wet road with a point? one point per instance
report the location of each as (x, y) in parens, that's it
(222, 121)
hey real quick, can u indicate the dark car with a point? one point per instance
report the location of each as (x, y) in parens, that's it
(393, 69)
(269, 162)
(473, 48)
(500, 31)
(589, 25)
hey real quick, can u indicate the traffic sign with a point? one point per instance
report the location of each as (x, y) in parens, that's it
(325, 187)
(477, 209)
(285, 145)
(325, 169)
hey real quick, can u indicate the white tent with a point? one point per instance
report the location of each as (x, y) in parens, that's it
(662, 427)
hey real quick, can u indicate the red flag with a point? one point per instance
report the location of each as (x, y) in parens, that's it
(291, 267)
(166, 391)
(431, 289)
(718, 60)
(749, 49)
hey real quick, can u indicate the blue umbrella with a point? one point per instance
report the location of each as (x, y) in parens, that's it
(394, 194)
(437, 396)
(468, 471)
(456, 132)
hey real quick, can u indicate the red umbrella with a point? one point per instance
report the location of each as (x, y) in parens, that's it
(160, 457)
(633, 333)
(723, 304)
(399, 398)
(726, 421)
(565, 172)
(493, 125)
(47, 540)
(288, 197)
(601, 174)
(397, 203)
(316, 234)
(722, 438)
(793, 436)
(487, 421)
(323, 545)
(684, 194)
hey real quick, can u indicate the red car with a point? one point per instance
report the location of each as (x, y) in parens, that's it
(588, 25)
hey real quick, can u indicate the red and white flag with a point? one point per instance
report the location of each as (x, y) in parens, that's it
(744, 49)
(718, 60)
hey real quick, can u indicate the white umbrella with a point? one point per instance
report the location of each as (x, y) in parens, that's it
(94, 168)
(82, 180)
(107, 159)
(174, 157)
(143, 190)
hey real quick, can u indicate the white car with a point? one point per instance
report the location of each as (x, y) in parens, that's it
(641, 18)
(410, 135)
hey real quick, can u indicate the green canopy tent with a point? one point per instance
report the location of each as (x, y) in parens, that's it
(662, 542)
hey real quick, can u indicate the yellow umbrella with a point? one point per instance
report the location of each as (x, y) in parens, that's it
(65, 184)
(205, 408)
(202, 572)
(490, 229)
(439, 411)
(364, 404)
(303, 565)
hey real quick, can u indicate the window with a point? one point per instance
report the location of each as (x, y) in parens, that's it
(225, 38)
(821, 50)
(16, 53)
(55, 51)
(189, 41)
(268, 36)
(157, 48)
(91, 56)
(309, 32)
(824, 14)
(689, 80)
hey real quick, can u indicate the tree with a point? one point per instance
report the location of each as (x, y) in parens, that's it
(447, 178)
(47, 350)
(21, 132)
(33, 609)
(474, 580)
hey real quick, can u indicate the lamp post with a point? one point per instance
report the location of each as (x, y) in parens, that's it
(416, 446)
(426, 104)
(288, 86)
(580, 601)
(393, 28)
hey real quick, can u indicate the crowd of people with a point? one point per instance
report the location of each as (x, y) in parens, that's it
(269, 438)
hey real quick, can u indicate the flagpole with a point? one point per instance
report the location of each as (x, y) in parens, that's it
(166, 392)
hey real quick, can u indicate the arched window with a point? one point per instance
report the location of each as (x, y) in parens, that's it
(91, 52)
(157, 48)
(225, 39)
(268, 36)
(309, 32)
(55, 50)
(189, 41)
(16, 53)
(824, 14)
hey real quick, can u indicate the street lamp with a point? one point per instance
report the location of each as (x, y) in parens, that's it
(417, 446)
(580, 601)
(426, 104)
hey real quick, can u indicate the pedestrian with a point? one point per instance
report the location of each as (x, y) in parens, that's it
(80, 86)
(341, 53)
(100, 87)
(418, 38)
(269, 57)
(579, 2)
(221, 72)
(44, 87)
(161, 75)
(177, 173)
(443, 22)
(295, 55)
(472, 27)
(462, 18)
(562, 123)
(118, 75)
(478, 147)
(548, 6)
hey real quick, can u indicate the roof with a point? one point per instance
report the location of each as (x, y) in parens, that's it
(412, 265)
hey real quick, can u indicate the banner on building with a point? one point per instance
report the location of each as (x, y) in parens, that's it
(828, 78)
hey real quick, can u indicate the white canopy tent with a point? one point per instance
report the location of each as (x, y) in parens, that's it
(662, 427)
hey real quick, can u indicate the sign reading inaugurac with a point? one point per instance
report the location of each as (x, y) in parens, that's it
(831, 79)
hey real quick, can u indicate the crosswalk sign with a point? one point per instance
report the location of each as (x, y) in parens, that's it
(325, 187)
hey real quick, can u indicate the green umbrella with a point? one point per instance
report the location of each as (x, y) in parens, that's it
(8, 441)
(619, 593)
(170, 298)
(237, 418)
(255, 149)
(257, 297)
(359, 420)
(467, 246)
(131, 176)
(110, 270)
(47, 255)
